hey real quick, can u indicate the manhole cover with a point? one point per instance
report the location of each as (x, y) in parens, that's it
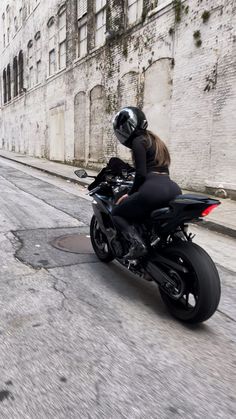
(74, 243)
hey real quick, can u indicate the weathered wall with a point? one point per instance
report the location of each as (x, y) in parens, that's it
(187, 91)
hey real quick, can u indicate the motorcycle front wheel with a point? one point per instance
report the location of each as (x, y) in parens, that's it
(200, 285)
(99, 242)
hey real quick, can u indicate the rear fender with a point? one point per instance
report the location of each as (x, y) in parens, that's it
(183, 209)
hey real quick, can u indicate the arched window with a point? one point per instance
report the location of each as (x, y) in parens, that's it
(15, 77)
(4, 86)
(8, 82)
(51, 21)
(21, 71)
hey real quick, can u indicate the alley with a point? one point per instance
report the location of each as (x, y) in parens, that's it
(80, 339)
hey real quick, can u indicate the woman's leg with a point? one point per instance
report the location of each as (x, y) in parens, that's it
(130, 211)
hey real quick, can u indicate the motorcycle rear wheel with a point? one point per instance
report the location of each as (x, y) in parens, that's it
(202, 284)
(99, 242)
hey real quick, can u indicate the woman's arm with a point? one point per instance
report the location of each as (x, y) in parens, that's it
(139, 153)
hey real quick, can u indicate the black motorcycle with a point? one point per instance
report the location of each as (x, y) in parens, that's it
(187, 277)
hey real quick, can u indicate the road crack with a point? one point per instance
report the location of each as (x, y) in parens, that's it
(60, 290)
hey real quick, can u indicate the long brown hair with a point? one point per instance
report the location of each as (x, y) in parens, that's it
(162, 156)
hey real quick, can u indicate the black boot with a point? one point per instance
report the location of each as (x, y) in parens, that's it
(114, 242)
(138, 248)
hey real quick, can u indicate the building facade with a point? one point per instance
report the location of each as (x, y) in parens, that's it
(66, 67)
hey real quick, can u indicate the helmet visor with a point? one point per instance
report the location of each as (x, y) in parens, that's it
(124, 125)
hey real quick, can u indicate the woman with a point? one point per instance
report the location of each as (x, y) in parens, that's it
(152, 187)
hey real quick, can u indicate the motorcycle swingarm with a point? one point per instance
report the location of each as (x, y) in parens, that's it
(167, 262)
(160, 277)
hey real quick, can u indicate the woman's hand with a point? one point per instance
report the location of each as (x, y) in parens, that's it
(121, 199)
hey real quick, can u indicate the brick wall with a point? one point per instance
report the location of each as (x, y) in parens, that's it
(178, 64)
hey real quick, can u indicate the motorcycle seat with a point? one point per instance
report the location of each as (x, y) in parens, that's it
(158, 212)
(192, 197)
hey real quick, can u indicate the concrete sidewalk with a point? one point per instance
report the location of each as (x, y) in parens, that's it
(222, 220)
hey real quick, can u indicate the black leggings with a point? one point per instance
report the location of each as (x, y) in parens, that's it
(155, 192)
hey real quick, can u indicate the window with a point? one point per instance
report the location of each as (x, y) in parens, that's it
(4, 86)
(62, 54)
(15, 24)
(81, 8)
(30, 63)
(21, 71)
(100, 18)
(134, 12)
(4, 30)
(8, 25)
(31, 77)
(28, 8)
(51, 46)
(38, 72)
(15, 77)
(8, 82)
(62, 38)
(82, 27)
(52, 62)
(82, 40)
(20, 17)
(37, 38)
(36, 2)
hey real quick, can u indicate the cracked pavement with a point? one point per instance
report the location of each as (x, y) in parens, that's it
(80, 339)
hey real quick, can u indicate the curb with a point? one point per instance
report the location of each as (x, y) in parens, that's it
(50, 172)
(210, 225)
(218, 228)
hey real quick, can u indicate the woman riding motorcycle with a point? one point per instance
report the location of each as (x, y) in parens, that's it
(152, 187)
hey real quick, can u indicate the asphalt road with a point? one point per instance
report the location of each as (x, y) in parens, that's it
(80, 339)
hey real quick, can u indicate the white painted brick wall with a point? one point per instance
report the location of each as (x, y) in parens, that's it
(201, 124)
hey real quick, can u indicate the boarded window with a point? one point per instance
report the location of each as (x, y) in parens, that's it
(57, 133)
(157, 97)
(80, 124)
(127, 93)
(97, 106)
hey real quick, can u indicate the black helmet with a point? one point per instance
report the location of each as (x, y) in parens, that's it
(127, 122)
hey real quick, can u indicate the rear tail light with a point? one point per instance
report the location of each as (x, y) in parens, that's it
(208, 210)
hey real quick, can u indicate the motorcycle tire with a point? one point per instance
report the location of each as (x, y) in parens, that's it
(99, 242)
(202, 283)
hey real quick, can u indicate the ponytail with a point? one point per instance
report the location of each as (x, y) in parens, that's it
(162, 156)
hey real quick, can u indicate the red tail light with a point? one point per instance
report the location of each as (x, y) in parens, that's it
(208, 210)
